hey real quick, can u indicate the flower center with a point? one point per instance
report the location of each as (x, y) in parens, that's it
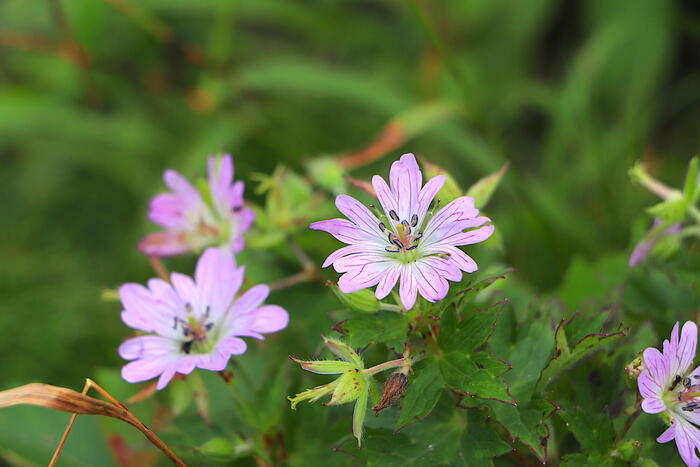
(194, 331)
(684, 391)
(404, 237)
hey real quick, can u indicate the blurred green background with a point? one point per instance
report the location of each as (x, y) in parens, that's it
(98, 97)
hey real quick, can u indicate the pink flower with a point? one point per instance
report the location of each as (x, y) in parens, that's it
(195, 220)
(409, 243)
(193, 323)
(670, 385)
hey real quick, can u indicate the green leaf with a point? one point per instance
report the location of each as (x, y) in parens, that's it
(326, 367)
(480, 442)
(385, 327)
(450, 190)
(218, 450)
(359, 414)
(592, 429)
(526, 424)
(473, 376)
(690, 188)
(423, 392)
(565, 356)
(470, 333)
(482, 190)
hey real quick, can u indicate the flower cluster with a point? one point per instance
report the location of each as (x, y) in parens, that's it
(408, 242)
(195, 322)
(671, 386)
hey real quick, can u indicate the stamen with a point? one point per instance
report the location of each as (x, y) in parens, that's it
(686, 383)
(175, 322)
(391, 250)
(393, 215)
(188, 307)
(691, 406)
(414, 220)
(674, 383)
(186, 331)
(382, 227)
(208, 326)
(398, 243)
(418, 237)
(187, 346)
(406, 226)
(236, 209)
(412, 247)
(392, 236)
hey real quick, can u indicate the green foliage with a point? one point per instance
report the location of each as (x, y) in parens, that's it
(97, 100)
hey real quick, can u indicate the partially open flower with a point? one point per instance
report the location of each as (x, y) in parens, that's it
(410, 242)
(195, 219)
(670, 385)
(193, 323)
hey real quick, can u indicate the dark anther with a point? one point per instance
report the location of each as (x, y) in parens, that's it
(406, 226)
(185, 332)
(174, 322)
(382, 227)
(690, 406)
(418, 237)
(393, 215)
(208, 326)
(412, 247)
(391, 236)
(414, 220)
(686, 383)
(187, 346)
(696, 376)
(188, 307)
(677, 379)
(398, 243)
(391, 249)
(237, 209)
(207, 311)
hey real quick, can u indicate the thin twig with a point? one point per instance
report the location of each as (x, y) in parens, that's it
(298, 278)
(631, 419)
(128, 417)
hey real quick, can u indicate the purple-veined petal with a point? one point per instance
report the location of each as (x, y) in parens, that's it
(145, 369)
(216, 360)
(657, 364)
(687, 440)
(348, 250)
(451, 219)
(685, 352)
(648, 387)
(427, 194)
(268, 318)
(406, 180)
(457, 257)
(362, 277)
(446, 269)
(653, 406)
(385, 196)
(358, 260)
(408, 289)
(431, 285)
(220, 179)
(182, 187)
(167, 243)
(473, 236)
(359, 214)
(667, 435)
(343, 230)
(168, 210)
(188, 291)
(166, 376)
(250, 300)
(232, 345)
(218, 279)
(387, 282)
(143, 311)
(148, 347)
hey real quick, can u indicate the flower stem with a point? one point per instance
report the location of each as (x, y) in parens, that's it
(159, 268)
(631, 419)
(390, 307)
(385, 366)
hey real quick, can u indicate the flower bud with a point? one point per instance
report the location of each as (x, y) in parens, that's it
(393, 390)
(627, 451)
(632, 371)
(363, 301)
(450, 190)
